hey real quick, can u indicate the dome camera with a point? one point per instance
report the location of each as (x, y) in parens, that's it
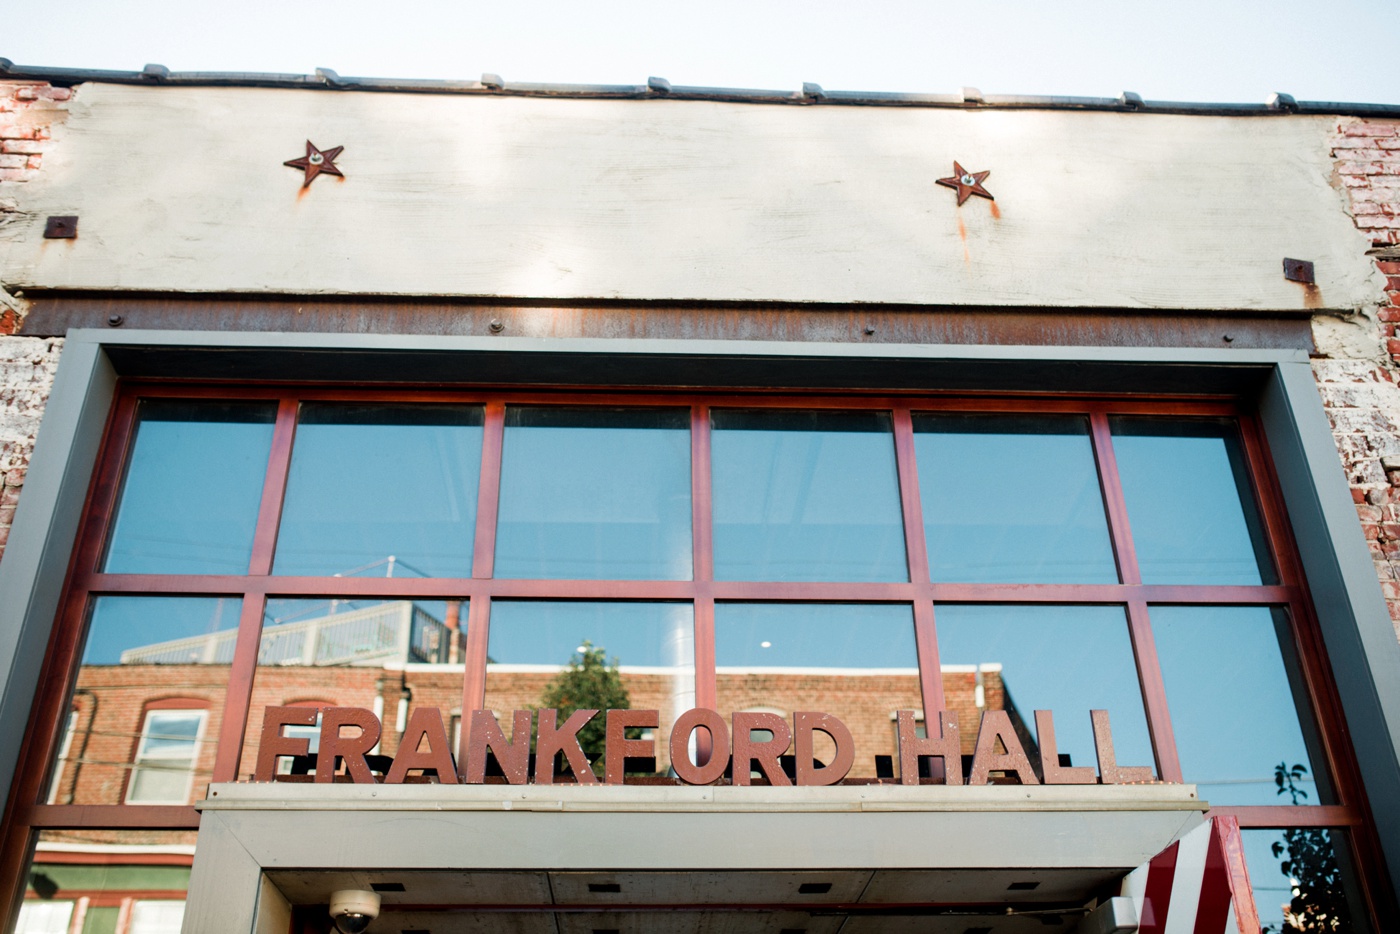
(352, 910)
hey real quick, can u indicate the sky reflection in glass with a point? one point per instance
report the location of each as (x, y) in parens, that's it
(815, 635)
(189, 501)
(1052, 531)
(550, 632)
(1232, 701)
(1065, 659)
(368, 482)
(595, 493)
(806, 496)
(1192, 517)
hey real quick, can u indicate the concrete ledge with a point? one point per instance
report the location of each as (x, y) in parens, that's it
(298, 796)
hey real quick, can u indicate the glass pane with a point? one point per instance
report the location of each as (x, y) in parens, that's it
(1303, 880)
(145, 715)
(592, 655)
(1057, 532)
(96, 878)
(382, 490)
(389, 656)
(857, 662)
(1065, 659)
(1234, 698)
(806, 496)
(189, 501)
(595, 493)
(1189, 505)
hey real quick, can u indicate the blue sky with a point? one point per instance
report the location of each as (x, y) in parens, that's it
(1200, 50)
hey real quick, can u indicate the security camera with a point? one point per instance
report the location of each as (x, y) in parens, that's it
(352, 910)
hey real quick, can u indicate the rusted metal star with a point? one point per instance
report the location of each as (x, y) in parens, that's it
(967, 183)
(317, 161)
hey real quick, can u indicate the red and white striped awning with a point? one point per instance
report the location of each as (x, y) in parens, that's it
(1198, 885)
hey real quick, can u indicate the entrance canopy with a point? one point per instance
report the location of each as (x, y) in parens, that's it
(662, 858)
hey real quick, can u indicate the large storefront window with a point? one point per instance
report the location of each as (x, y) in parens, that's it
(857, 556)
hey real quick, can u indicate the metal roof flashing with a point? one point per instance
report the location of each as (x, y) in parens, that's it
(324, 79)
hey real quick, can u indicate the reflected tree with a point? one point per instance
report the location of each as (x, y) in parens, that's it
(589, 682)
(1314, 878)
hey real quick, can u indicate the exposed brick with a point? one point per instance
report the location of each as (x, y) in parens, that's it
(1371, 129)
(27, 366)
(29, 147)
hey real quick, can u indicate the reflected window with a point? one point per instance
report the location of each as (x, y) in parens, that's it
(592, 655)
(64, 750)
(1052, 531)
(194, 479)
(36, 917)
(382, 490)
(856, 661)
(152, 670)
(1065, 659)
(165, 757)
(156, 917)
(1187, 489)
(595, 493)
(1234, 696)
(95, 881)
(806, 496)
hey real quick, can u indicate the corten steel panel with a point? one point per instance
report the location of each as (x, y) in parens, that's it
(57, 313)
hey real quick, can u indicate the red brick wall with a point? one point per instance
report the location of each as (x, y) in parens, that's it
(111, 702)
(1358, 364)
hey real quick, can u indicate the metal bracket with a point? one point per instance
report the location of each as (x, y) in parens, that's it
(61, 227)
(1298, 270)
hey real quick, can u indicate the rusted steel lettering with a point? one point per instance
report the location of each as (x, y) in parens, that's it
(351, 749)
(804, 724)
(272, 745)
(620, 748)
(554, 739)
(1110, 772)
(686, 724)
(1050, 768)
(996, 724)
(424, 725)
(946, 746)
(766, 752)
(514, 756)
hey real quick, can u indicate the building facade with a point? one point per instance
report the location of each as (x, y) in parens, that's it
(1069, 427)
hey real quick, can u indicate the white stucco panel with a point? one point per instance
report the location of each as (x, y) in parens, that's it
(184, 189)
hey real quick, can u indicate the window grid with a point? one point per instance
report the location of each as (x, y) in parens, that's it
(702, 591)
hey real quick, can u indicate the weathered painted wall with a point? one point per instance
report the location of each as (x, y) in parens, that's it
(1358, 362)
(184, 189)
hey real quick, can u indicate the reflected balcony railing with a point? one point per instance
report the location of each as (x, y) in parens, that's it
(385, 632)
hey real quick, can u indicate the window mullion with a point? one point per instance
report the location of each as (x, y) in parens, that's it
(242, 671)
(1114, 503)
(1154, 693)
(702, 561)
(916, 550)
(274, 488)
